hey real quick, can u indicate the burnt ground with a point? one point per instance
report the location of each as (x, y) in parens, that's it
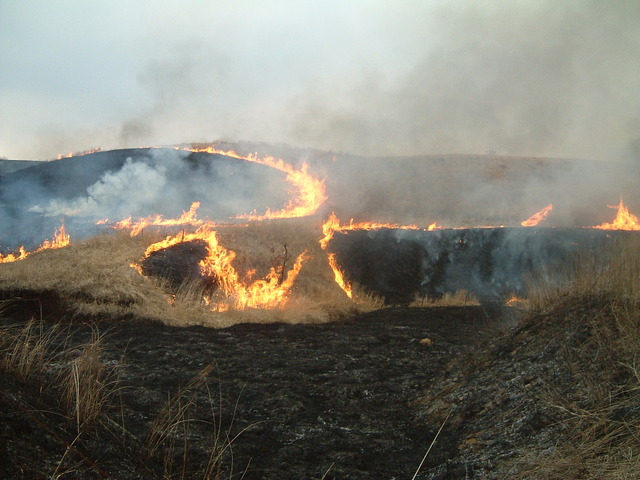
(335, 400)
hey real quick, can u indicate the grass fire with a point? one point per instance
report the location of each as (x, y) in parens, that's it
(293, 261)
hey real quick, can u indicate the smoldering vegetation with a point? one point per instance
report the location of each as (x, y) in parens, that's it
(454, 191)
(492, 264)
(79, 191)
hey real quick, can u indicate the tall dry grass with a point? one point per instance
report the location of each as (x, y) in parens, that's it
(88, 383)
(603, 422)
(25, 349)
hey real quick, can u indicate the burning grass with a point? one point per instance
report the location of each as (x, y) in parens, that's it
(94, 278)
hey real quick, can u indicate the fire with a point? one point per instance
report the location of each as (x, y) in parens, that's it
(536, 218)
(311, 191)
(515, 301)
(271, 292)
(338, 276)
(433, 226)
(624, 220)
(11, 257)
(332, 225)
(188, 218)
(60, 239)
(78, 154)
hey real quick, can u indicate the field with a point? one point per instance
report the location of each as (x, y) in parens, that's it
(106, 373)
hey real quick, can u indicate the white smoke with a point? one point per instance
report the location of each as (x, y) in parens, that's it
(129, 191)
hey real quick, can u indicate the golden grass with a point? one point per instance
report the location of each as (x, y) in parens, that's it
(460, 298)
(87, 382)
(94, 279)
(25, 349)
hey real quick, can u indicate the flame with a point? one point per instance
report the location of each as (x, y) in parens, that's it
(338, 276)
(516, 301)
(624, 220)
(332, 225)
(271, 292)
(11, 257)
(60, 239)
(311, 191)
(536, 218)
(78, 154)
(136, 227)
(433, 226)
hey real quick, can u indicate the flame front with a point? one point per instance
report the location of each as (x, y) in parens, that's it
(311, 191)
(536, 218)
(188, 218)
(624, 220)
(339, 276)
(332, 225)
(60, 239)
(271, 292)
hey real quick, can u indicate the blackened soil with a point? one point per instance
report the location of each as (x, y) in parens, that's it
(299, 401)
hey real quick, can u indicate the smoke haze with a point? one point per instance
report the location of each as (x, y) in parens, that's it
(535, 78)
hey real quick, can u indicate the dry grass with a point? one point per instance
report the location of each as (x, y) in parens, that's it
(167, 441)
(602, 420)
(460, 298)
(26, 349)
(87, 382)
(36, 352)
(94, 278)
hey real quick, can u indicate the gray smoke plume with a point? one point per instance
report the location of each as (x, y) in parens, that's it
(525, 77)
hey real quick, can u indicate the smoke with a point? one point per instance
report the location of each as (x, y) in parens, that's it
(519, 78)
(523, 78)
(167, 182)
(135, 188)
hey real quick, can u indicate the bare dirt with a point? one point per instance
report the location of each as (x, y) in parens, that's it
(335, 400)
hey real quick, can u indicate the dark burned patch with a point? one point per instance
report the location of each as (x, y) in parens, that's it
(27, 304)
(491, 263)
(327, 401)
(179, 265)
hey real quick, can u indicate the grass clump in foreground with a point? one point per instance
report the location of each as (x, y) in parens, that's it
(64, 397)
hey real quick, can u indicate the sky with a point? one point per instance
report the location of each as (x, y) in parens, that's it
(401, 77)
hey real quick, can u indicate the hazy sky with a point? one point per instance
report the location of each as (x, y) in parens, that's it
(549, 78)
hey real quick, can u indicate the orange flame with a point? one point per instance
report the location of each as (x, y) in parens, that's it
(536, 218)
(78, 154)
(60, 239)
(271, 292)
(624, 220)
(136, 227)
(339, 276)
(332, 225)
(311, 191)
(516, 301)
